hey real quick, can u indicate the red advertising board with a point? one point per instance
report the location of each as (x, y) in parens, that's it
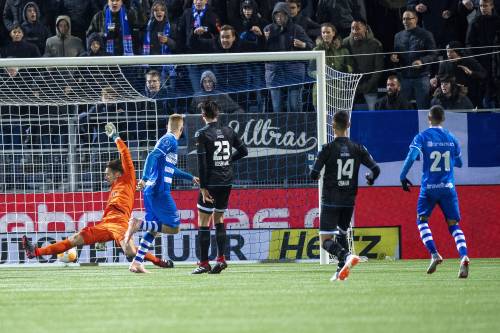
(279, 208)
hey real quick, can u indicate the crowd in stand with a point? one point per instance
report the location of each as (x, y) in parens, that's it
(358, 36)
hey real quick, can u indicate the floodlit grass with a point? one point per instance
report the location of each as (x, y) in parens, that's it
(378, 297)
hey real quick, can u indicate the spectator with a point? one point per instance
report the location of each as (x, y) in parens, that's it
(337, 57)
(467, 71)
(484, 30)
(197, 23)
(95, 46)
(13, 11)
(442, 18)
(209, 92)
(63, 44)
(250, 25)
(393, 99)
(158, 39)
(340, 13)
(284, 35)
(451, 96)
(413, 45)
(34, 31)
(91, 123)
(18, 48)
(228, 42)
(155, 90)
(117, 24)
(368, 59)
(312, 29)
(263, 8)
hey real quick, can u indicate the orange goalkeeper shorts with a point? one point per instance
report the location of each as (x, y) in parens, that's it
(112, 227)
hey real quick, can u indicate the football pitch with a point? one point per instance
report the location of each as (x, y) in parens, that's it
(378, 297)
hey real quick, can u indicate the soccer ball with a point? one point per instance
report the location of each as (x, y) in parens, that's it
(68, 256)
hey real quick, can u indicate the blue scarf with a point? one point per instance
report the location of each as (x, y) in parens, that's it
(146, 49)
(125, 30)
(197, 16)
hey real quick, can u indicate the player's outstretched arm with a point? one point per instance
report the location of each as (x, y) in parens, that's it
(126, 157)
(183, 175)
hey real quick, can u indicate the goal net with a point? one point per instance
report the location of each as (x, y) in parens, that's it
(53, 149)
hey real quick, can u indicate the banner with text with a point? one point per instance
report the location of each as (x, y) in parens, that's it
(270, 244)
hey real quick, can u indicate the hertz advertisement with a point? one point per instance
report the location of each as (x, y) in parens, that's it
(373, 243)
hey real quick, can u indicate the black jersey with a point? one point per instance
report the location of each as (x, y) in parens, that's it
(215, 145)
(342, 159)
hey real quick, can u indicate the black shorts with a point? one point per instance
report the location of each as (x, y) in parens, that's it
(221, 198)
(333, 217)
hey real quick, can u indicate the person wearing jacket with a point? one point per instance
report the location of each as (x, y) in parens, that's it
(209, 92)
(118, 26)
(451, 96)
(19, 48)
(63, 44)
(337, 56)
(95, 46)
(34, 31)
(368, 58)
(413, 47)
(284, 35)
(393, 99)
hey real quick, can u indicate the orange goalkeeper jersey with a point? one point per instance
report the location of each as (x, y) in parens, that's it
(121, 195)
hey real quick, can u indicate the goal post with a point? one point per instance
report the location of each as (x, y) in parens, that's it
(52, 188)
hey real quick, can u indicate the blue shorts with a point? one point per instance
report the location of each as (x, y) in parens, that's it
(446, 198)
(160, 208)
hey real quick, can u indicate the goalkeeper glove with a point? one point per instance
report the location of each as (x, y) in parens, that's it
(405, 183)
(111, 131)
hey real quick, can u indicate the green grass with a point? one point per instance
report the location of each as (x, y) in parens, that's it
(378, 297)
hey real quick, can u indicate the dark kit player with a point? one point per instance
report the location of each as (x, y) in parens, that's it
(341, 159)
(215, 144)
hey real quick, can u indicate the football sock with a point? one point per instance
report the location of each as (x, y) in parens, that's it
(151, 257)
(144, 246)
(149, 226)
(204, 239)
(459, 237)
(335, 249)
(220, 237)
(58, 247)
(342, 240)
(426, 236)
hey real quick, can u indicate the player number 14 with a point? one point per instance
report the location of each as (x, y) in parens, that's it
(436, 157)
(345, 169)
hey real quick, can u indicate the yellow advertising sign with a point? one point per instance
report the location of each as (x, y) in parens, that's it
(372, 242)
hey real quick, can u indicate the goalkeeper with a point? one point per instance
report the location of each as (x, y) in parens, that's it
(114, 224)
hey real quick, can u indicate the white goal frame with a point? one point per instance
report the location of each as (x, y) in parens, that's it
(184, 59)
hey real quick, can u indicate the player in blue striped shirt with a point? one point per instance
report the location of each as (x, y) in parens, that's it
(441, 153)
(161, 211)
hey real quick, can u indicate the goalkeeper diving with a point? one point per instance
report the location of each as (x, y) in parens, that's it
(121, 176)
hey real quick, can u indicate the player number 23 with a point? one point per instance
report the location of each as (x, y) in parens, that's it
(223, 151)
(436, 157)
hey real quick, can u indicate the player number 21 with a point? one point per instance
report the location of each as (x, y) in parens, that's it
(345, 169)
(223, 151)
(436, 157)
